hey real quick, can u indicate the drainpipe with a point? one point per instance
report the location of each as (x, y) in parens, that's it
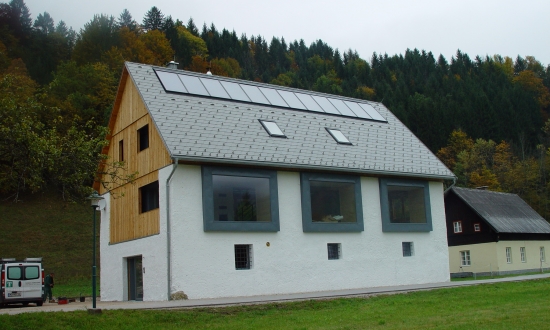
(168, 234)
(454, 182)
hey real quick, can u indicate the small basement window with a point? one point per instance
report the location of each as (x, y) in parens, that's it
(334, 251)
(149, 197)
(272, 128)
(408, 250)
(338, 136)
(457, 225)
(243, 256)
(143, 138)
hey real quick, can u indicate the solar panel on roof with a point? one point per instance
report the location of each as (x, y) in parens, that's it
(171, 82)
(188, 83)
(338, 104)
(193, 85)
(235, 91)
(273, 97)
(309, 102)
(325, 104)
(371, 111)
(291, 99)
(254, 94)
(359, 112)
(214, 88)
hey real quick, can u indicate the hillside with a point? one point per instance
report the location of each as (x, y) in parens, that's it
(40, 225)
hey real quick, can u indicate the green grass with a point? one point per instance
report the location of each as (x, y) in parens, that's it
(44, 226)
(511, 305)
(73, 288)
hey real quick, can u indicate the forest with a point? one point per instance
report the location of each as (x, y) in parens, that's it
(485, 117)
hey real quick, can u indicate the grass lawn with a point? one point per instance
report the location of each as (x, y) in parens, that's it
(511, 305)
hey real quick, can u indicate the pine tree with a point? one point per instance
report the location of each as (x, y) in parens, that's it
(153, 20)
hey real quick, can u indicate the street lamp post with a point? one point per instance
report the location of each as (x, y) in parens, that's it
(94, 198)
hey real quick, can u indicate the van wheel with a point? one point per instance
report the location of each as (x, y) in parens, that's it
(25, 304)
(39, 303)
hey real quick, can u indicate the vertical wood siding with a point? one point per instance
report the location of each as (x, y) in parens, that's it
(126, 221)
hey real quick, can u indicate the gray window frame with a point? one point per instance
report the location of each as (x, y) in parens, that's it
(248, 226)
(387, 225)
(308, 225)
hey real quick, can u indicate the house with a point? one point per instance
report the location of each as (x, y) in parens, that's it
(494, 233)
(253, 189)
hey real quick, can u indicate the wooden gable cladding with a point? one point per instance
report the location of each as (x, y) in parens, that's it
(129, 116)
(127, 223)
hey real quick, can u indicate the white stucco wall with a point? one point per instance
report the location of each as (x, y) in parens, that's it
(487, 257)
(203, 263)
(152, 249)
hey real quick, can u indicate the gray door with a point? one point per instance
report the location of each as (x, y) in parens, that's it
(135, 279)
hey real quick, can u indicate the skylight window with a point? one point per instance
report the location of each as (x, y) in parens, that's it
(272, 128)
(338, 136)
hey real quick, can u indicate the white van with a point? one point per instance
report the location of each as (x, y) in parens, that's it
(21, 282)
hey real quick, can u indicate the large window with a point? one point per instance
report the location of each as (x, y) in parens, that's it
(149, 197)
(542, 254)
(237, 199)
(331, 203)
(522, 254)
(465, 258)
(405, 205)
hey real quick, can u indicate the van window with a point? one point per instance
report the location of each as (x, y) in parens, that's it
(31, 272)
(14, 273)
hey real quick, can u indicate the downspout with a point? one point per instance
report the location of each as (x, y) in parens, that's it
(168, 234)
(454, 182)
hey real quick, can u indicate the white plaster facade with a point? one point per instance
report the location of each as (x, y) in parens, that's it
(491, 257)
(203, 264)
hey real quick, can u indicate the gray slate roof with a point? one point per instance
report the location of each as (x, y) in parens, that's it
(204, 129)
(506, 213)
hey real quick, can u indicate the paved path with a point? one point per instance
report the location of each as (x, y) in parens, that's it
(193, 303)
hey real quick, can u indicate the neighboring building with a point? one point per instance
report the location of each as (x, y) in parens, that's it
(494, 233)
(253, 189)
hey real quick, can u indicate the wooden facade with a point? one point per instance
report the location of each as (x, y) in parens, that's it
(457, 210)
(129, 115)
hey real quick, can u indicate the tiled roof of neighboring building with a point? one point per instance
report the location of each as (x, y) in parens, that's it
(207, 129)
(506, 213)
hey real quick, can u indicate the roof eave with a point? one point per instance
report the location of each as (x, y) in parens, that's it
(290, 166)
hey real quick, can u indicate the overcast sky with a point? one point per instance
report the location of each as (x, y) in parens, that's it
(476, 27)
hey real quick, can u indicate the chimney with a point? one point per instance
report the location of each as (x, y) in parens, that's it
(172, 65)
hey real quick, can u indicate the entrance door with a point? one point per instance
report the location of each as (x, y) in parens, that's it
(135, 279)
